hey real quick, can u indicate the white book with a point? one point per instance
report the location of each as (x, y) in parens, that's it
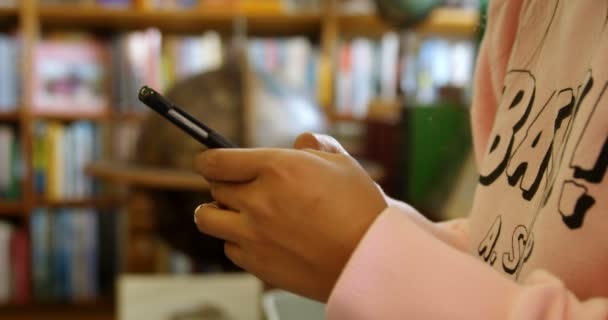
(363, 82)
(83, 154)
(6, 140)
(91, 250)
(297, 55)
(344, 81)
(68, 153)
(389, 56)
(4, 73)
(78, 256)
(6, 231)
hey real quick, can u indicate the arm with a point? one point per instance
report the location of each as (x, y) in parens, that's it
(400, 272)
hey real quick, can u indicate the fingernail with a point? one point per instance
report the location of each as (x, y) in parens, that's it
(196, 211)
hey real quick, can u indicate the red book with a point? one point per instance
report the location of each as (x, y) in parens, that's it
(20, 263)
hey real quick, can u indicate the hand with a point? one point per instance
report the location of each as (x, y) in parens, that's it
(319, 142)
(295, 216)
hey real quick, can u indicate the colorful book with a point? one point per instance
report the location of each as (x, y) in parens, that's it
(70, 76)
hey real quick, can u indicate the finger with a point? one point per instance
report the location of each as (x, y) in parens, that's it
(233, 165)
(220, 223)
(235, 253)
(319, 142)
(232, 195)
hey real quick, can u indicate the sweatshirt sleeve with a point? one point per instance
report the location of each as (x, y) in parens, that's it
(399, 271)
(454, 232)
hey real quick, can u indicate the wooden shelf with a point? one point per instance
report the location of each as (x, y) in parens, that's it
(10, 13)
(102, 202)
(10, 208)
(11, 116)
(441, 20)
(95, 310)
(451, 21)
(72, 116)
(131, 116)
(147, 177)
(187, 21)
(363, 25)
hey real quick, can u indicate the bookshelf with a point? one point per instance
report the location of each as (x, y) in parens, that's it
(8, 117)
(10, 208)
(180, 21)
(32, 20)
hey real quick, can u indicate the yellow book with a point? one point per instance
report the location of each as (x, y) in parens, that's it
(55, 161)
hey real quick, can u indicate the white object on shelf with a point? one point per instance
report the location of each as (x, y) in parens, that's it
(222, 296)
(282, 305)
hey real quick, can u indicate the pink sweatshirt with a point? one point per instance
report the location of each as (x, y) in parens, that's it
(535, 245)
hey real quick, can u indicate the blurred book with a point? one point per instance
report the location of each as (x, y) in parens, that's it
(14, 265)
(186, 56)
(11, 164)
(9, 72)
(6, 231)
(70, 76)
(60, 154)
(443, 63)
(292, 61)
(65, 254)
(367, 70)
(136, 60)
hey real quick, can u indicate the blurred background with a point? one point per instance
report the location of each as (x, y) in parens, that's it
(97, 194)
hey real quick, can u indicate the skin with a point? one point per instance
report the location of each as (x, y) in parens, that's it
(290, 217)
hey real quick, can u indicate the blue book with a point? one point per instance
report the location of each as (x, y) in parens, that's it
(61, 257)
(92, 253)
(40, 226)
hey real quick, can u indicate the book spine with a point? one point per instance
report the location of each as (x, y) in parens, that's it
(21, 267)
(6, 142)
(5, 259)
(41, 261)
(40, 157)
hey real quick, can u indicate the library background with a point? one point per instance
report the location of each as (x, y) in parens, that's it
(97, 194)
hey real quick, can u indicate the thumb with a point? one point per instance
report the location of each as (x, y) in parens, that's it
(318, 142)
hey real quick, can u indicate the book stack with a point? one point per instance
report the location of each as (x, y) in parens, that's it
(64, 250)
(185, 56)
(441, 63)
(136, 60)
(391, 67)
(60, 154)
(11, 164)
(292, 61)
(367, 69)
(14, 265)
(9, 73)
(146, 58)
